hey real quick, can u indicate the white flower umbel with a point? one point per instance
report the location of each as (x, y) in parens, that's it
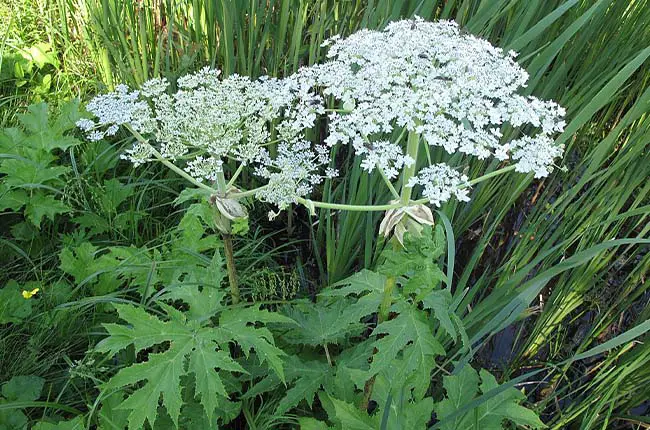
(209, 120)
(439, 182)
(425, 80)
(453, 89)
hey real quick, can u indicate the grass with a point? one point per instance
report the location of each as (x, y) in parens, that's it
(591, 56)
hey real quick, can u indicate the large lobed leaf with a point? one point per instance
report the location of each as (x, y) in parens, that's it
(193, 349)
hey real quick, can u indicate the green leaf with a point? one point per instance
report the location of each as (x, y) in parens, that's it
(14, 308)
(74, 424)
(36, 118)
(350, 417)
(440, 302)
(44, 137)
(359, 283)
(409, 328)
(367, 285)
(200, 287)
(13, 419)
(79, 261)
(192, 194)
(94, 223)
(111, 418)
(319, 324)
(203, 302)
(416, 266)
(67, 116)
(12, 199)
(464, 387)
(41, 54)
(41, 205)
(307, 378)
(505, 405)
(114, 193)
(403, 411)
(23, 388)
(192, 350)
(203, 363)
(106, 271)
(312, 424)
(23, 172)
(258, 339)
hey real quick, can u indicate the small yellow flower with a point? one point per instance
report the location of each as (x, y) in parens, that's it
(29, 294)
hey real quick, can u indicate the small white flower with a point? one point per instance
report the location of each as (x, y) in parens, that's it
(440, 182)
(85, 124)
(204, 168)
(331, 172)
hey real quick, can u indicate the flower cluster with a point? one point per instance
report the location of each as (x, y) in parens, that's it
(440, 182)
(209, 120)
(455, 91)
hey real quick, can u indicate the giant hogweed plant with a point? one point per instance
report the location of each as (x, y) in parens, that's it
(390, 95)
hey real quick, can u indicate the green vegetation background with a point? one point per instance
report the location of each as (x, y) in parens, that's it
(87, 230)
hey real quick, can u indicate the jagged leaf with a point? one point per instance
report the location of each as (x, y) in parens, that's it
(440, 301)
(411, 328)
(306, 423)
(111, 418)
(13, 306)
(350, 417)
(359, 283)
(74, 424)
(464, 387)
(258, 339)
(307, 378)
(406, 410)
(239, 325)
(113, 194)
(191, 350)
(12, 199)
(192, 194)
(320, 324)
(416, 265)
(42, 205)
(203, 362)
(203, 301)
(48, 137)
(22, 172)
(368, 286)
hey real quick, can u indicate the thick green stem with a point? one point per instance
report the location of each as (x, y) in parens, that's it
(412, 146)
(230, 266)
(227, 245)
(387, 300)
